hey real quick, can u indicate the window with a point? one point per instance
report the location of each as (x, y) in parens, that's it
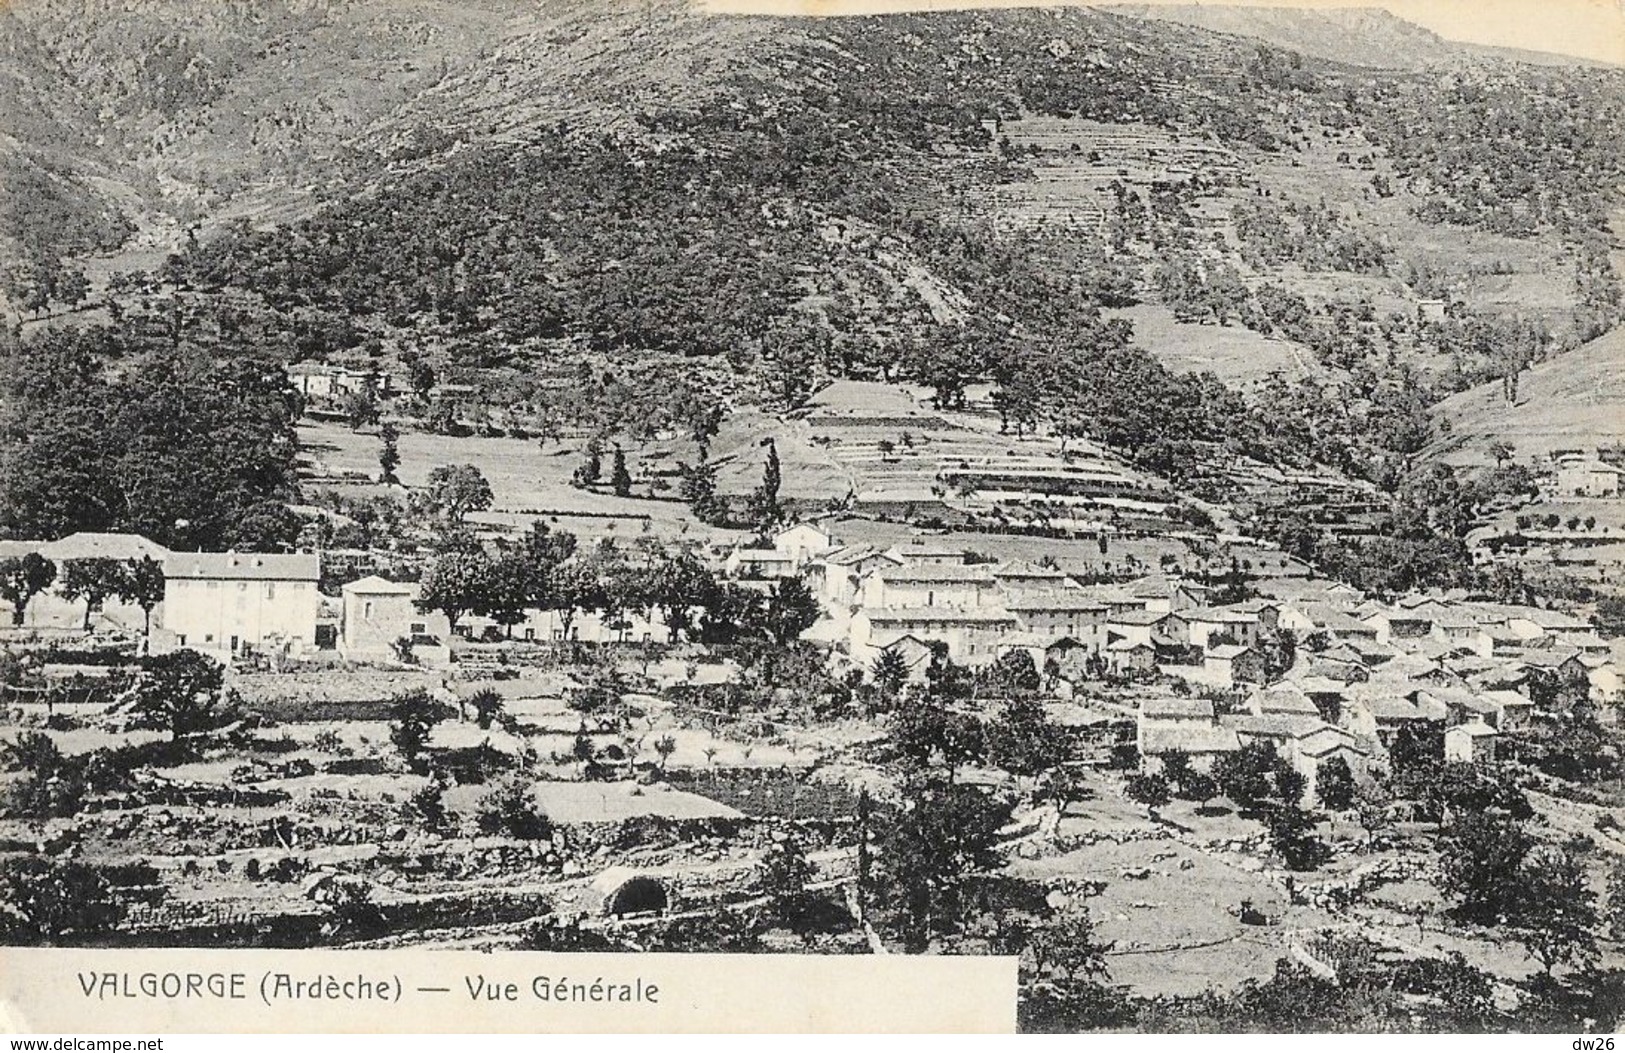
(270, 590)
(212, 585)
(419, 628)
(208, 637)
(366, 609)
(530, 634)
(181, 639)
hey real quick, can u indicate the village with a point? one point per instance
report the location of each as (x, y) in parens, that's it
(693, 743)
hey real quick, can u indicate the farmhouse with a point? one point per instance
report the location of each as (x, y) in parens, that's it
(802, 542)
(1072, 613)
(377, 613)
(1471, 743)
(1581, 476)
(1130, 656)
(929, 585)
(1233, 664)
(1184, 724)
(53, 609)
(1152, 628)
(973, 637)
(836, 576)
(1209, 627)
(234, 602)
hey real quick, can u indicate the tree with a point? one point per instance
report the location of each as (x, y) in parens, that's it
(22, 578)
(1554, 913)
(456, 584)
(360, 408)
(420, 377)
(699, 489)
(1371, 805)
(676, 585)
(763, 508)
(413, 715)
(665, 745)
(509, 808)
(1199, 787)
(1292, 836)
(49, 784)
(1481, 857)
(143, 585)
(1244, 775)
(592, 468)
(487, 707)
(929, 733)
(889, 671)
(1334, 784)
(572, 586)
(620, 480)
(389, 452)
(1614, 913)
(180, 692)
(1013, 673)
(1022, 739)
(929, 849)
(458, 489)
(49, 901)
(92, 580)
(783, 874)
(1176, 766)
(791, 610)
(1149, 789)
(1067, 945)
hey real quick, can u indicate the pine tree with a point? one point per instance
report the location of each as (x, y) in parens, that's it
(620, 480)
(389, 456)
(765, 512)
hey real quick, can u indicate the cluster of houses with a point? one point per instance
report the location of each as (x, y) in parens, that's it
(1313, 666)
(1357, 670)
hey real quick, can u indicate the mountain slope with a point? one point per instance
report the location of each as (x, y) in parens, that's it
(1575, 401)
(1358, 36)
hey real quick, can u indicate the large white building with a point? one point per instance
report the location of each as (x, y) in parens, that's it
(232, 602)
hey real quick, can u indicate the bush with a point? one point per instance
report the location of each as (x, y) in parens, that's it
(507, 808)
(47, 901)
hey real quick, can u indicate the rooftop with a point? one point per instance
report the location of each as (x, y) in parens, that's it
(373, 585)
(243, 566)
(938, 572)
(908, 615)
(1170, 708)
(1189, 736)
(93, 545)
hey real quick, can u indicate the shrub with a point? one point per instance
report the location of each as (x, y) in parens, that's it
(507, 808)
(48, 901)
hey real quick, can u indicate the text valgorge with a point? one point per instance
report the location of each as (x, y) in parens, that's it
(564, 989)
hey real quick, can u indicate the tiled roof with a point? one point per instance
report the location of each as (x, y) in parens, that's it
(1190, 736)
(243, 566)
(94, 545)
(1176, 709)
(373, 585)
(897, 615)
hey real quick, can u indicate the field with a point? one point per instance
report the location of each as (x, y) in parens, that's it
(527, 482)
(1575, 401)
(1237, 356)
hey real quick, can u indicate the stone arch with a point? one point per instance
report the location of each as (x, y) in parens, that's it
(620, 891)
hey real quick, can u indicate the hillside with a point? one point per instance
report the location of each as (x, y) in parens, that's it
(1573, 402)
(1358, 36)
(577, 211)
